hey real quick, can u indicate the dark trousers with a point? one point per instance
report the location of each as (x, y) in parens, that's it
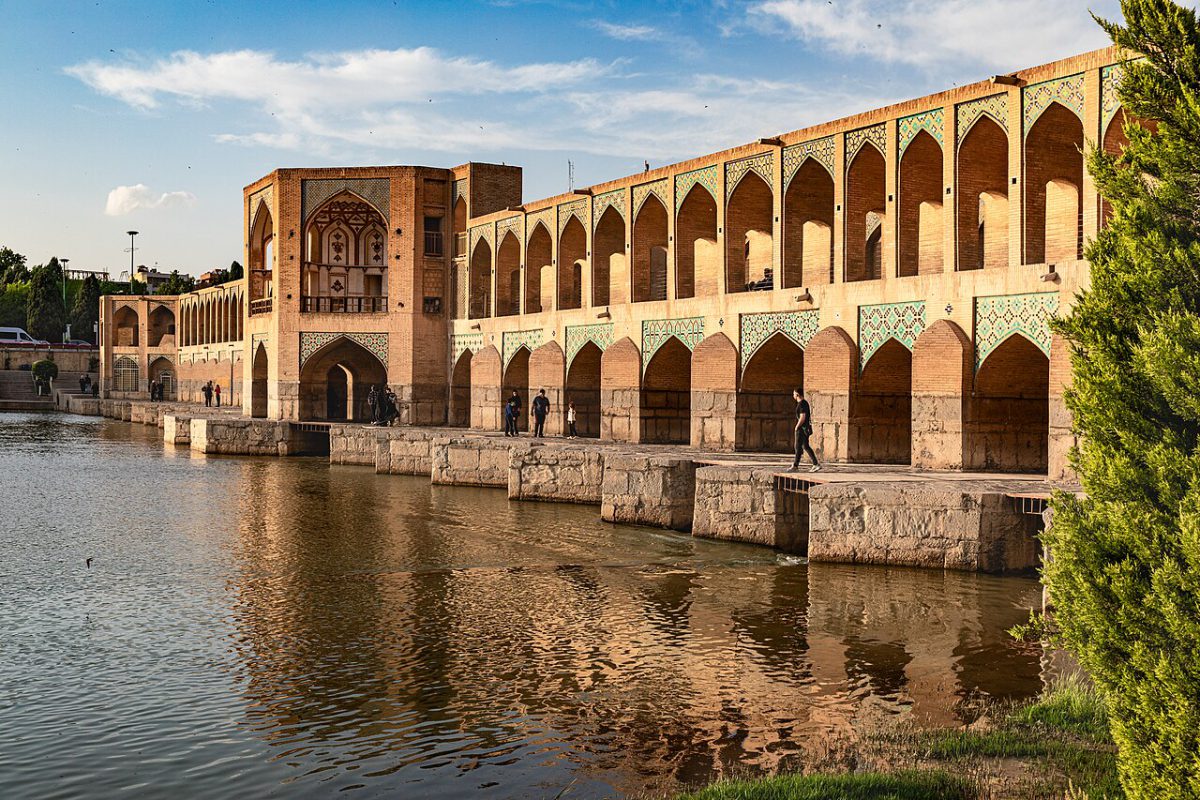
(218, 401)
(208, 399)
(510, 426)
(802, 447)
(539, 425)
(573, 431)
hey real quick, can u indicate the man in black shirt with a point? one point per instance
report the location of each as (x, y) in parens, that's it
(540, 408)
(803, 431)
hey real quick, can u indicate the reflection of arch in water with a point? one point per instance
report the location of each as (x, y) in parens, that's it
(336, 379)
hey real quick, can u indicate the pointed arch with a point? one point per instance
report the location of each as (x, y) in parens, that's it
(460, 390)
(582, 387)
(262, 252)
(982, 196)
(572, 255)
(749, 248)
(808, 211)
(336, 380)
(1009, 411)
(539, 270)
(125, 323)
(920, 208)
(609, 269)
(508, 275)
(650, 251)
(765, 408)
(866, 203)
(1053, 182)
(697, 259)
(665, 401)
(881, 420)
(480, 281)
(516, 380)
(258, 381)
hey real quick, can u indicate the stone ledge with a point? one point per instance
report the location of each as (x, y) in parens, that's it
(556, 473)
(743, 504)
(653, 490)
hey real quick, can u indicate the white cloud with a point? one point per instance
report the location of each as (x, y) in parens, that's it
(352, 105)
(628, 33)
(127, 199)
(992, 35)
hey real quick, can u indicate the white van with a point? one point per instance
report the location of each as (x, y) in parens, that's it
(10, 336)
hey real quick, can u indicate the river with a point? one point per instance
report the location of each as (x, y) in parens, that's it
(255, 627)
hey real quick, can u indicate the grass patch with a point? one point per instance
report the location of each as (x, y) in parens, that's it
(907, 785)
(1072, 706)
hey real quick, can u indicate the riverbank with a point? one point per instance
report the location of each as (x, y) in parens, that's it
(1057, 745)
(847, 513)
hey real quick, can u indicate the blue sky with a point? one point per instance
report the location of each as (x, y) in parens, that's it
(153, 115)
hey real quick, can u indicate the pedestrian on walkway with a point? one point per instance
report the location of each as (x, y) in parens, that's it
(803, 431)
(207, 391)
(510, 417)
(217, 394)
(571, 432)
(516, 404)
(541, 408)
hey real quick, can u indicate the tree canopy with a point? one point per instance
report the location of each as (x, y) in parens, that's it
(1124, 574)
(45, 312)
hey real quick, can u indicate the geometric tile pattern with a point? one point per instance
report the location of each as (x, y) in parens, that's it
(640, 193)
(512, 341)
(967, 114)
(599, 334)
(462, 342)
(821, 150)
(876, 135)
(376, 191)
(799, 326)
(577, 209)
(655, 333)
(263, 195)
(762, 165)
(312, 341)
(932, 122)
(459, 189)
(705, 176)
(903, 322)
(1110, 102)
(602, 202)
(545, 217)
(480, 232)
(873, 222)
(510, 224)
(1067, 91)
(997, 318)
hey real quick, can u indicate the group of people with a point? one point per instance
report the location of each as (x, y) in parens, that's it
(382, 402)
(541, 410)
(156, 389)
(211, 393)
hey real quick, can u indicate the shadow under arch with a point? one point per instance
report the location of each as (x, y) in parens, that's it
(335, 382)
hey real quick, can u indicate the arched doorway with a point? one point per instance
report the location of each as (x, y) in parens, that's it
(866, 202)
(1010, 409)
(336, 380)
(920, 201)
(539, 252)
(881, 427)
(460, 391)
(608, 243)
(765, 408)
(650, 251)
(982, 197)
(808, 210)
(572, 251)
(697, 260)
(748, 232)
(162, 370)
(666, 395)
(258, 383)
(516, 379)
(583, 389)
(1053, 181)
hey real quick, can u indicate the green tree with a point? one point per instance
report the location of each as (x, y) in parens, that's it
(12, 267)
(86, 310)
(14, 298)
(177, 284)
(1125, 572)
(235, 272)
(45, 315)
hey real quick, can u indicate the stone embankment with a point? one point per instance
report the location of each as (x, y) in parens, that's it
(847, 513)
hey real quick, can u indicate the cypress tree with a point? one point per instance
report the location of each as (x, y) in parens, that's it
(86, 310)
(1125, 571)
(45, 313)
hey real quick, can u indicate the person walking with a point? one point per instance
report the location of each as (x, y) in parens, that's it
(541, 408)
(803, 431)
(207, 392)
(571, 432)
(510, 417)
(217, 394)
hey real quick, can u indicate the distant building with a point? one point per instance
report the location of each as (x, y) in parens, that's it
(151, 278)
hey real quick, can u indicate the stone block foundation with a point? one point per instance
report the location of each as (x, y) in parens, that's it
(741, 504)
(654, 490)
(556, 474)
(470, 461)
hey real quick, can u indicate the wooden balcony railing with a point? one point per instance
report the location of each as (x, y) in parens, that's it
(261, 306)
(344, 305)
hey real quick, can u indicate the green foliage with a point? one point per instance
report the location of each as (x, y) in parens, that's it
(235, 272)
(12, 267)
(907, 785)
(45, 316)
(45, 369)
(1125, 572)
(14, 297)
(177, 284)
(86, 309)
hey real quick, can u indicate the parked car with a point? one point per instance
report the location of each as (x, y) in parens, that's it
(18, 336)
(77, 343)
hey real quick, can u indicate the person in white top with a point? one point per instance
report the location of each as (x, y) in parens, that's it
(571, 432)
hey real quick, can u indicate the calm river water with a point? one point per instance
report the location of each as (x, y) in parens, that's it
(279, 627)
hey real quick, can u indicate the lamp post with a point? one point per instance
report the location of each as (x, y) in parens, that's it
(64, 262)
(131, 251)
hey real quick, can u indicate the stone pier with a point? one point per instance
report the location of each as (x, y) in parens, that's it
(556, 474)
(471, 461)
(241, 437)
(177, 429)
(751, 505)
(653, 490)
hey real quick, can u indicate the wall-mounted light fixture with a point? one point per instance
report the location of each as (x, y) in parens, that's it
(604, 314)
(1052, 276)
(804, 297)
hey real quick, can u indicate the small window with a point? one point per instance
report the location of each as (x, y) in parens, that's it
(433, 236)
(433, 305)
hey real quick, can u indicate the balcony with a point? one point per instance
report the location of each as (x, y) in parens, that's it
(460, 245)
(261, 306)
(344, 305)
